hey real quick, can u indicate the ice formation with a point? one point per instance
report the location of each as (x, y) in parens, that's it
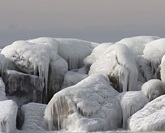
(118, 63)
(57, 70)
(73, 77)
(131, 102)
(162, 65)
(74, 51)
(90, 105)
(153, 88)
(150, 118)
(137, 43)
(96, 53)
(32, 114)
(154, 52)
(8, 113)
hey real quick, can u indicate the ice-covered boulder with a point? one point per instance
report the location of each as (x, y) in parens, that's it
(2, 90)
(150, 118)
(73, 77)
(153, 52)
(162, 65)
(23, 88)
(90, 105)
(153, 88)
(119, 64)
(57, 70)
(144, 69)
(8, 113)
(32, 114)
(96, 53)
(137, 43)
(74, 51)
(131, 102)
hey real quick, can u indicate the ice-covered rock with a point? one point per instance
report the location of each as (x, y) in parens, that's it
(153, 88)
(2, 90)
(57, 70)
(23, 88)
(96, 53)
(8, 113)
(119, 64)
(73, 77)
(144, 69)
(162, 65)
(137, 43)
(131, 102)
(74, 51)
(150, 118)
(154, 52)
(90, 105)
(32, 114)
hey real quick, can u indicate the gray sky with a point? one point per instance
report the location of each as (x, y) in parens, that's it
(93, 20)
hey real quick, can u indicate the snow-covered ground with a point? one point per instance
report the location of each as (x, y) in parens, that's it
(86, 86)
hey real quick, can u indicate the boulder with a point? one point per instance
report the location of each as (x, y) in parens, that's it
(23, 88)
(8, 113)
(150, 118)
(32, 114)
(90, 105)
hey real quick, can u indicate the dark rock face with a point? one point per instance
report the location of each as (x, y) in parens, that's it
(23, 88)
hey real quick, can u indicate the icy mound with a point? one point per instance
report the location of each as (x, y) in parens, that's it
(33, 116)
(74, 51)
(153, 88)
(119, 64)
(150, 118)
(131, 102)
(32, 56)
(154, 52)
(90, 105)
(137, 44)
(96, 53)
(8, 113)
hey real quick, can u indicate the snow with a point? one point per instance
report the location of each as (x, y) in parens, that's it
(131, 102)
(150, 118)
(137, 43)
(153, 88)
(90, 105)
(8, 113)
(118, 61)
(33, 116)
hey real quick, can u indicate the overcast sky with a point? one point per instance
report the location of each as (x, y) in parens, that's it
(93, 20)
